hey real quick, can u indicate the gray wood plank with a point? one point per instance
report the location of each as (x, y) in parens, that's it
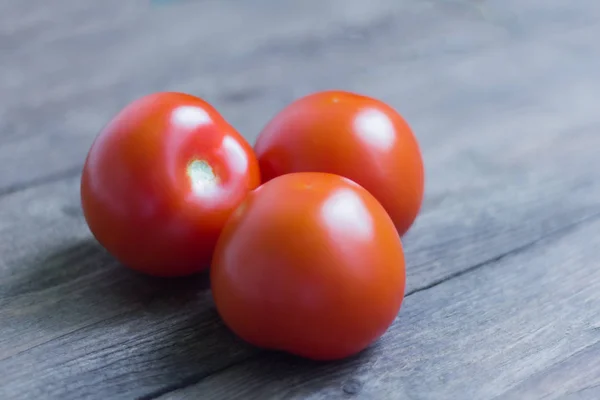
(68, 68)
(525, 327)
(84, 326)
(75, 324)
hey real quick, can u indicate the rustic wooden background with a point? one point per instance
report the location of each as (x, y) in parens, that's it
(503, 263)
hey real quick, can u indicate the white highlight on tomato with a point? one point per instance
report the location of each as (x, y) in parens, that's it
(345, 214)
(190, 116)
(375, 128)
(235, 154)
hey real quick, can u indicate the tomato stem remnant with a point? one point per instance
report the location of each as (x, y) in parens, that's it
(202, 176)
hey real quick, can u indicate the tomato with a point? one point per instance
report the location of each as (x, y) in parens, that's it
(311, 264)
(161, 179)
(358, 137)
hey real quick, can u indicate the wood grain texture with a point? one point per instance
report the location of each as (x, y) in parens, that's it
(84, 326)
(502, 95)
(519, 328)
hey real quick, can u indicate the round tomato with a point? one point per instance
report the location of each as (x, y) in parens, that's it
(311, 264)
(355, 136)
(161, 179)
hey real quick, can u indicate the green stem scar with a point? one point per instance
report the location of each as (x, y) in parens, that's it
(202, 176)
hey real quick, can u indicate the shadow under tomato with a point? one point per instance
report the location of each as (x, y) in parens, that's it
(165, 333)
(83, 275)
(96, 316)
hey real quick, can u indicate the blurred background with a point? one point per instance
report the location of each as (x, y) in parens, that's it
(449, 66)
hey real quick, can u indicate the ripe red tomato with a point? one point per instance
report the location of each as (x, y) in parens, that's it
(355, 136)
(311, 264)
(161, 179)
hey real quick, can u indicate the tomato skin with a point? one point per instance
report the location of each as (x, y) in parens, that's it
(161, 179)
(358, 137)
(310, 264)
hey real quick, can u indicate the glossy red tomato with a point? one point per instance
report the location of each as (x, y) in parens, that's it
(161, 179)
(355, 136)
(311, 264)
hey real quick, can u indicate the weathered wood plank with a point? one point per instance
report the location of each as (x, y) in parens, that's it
(85, 326)
(68, 68)
(523, 327)
(74, 324)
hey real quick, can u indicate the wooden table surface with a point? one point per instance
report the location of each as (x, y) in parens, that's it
(503, 274)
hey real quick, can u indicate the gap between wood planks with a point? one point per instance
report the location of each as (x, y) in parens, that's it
(555, 234)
